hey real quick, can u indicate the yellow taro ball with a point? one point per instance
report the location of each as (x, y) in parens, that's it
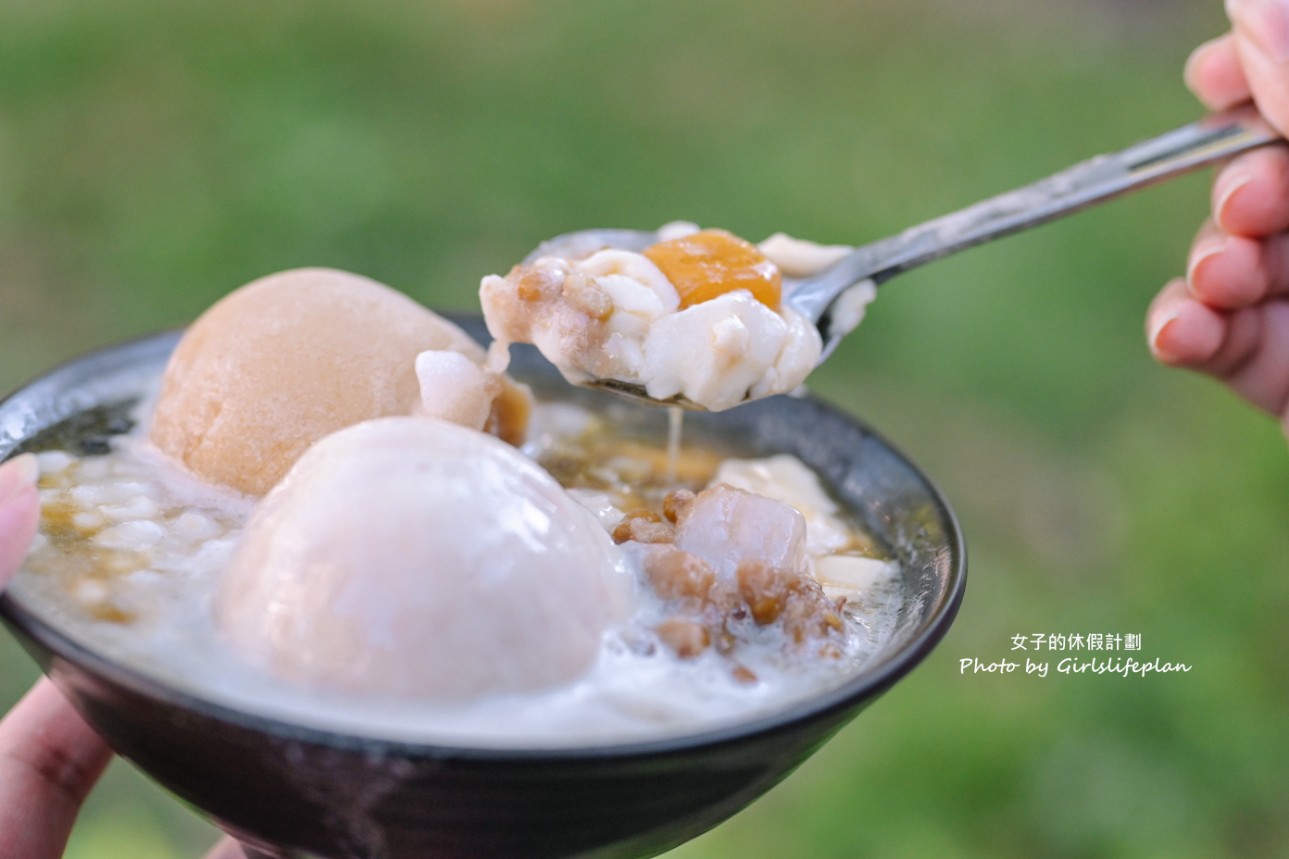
(285, 360)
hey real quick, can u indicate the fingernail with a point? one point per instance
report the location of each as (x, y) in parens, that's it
(21, 471)
(1227, 185)
(1264, 22)
(1200, 256)
(1157, 327)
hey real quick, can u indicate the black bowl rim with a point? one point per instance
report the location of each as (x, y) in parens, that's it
(864, 687)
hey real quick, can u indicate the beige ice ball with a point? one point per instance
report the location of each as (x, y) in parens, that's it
(291, 357)
(415, 557)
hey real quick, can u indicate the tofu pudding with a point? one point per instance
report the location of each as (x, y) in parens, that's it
(699, 315)
(472, 565)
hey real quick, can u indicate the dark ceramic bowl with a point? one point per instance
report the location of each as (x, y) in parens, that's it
(292, 791)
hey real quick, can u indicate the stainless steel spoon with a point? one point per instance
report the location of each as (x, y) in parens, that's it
(820, 297)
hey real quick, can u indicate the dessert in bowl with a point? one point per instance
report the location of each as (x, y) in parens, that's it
(612, 690)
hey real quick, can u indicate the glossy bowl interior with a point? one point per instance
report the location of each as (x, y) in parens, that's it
(290, 790)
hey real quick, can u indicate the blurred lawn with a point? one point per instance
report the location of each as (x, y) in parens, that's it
(155, 156)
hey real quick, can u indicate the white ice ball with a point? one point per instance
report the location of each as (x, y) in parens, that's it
(414, 557)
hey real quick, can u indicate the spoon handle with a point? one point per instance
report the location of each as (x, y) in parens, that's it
(1211, 139)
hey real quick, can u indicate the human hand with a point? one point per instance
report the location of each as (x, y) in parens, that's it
(49, 757)
(1229, 317)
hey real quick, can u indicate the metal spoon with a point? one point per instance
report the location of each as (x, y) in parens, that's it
(820, 296)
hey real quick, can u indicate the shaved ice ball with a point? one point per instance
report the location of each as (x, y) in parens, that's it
(294, 356)
(414, 557)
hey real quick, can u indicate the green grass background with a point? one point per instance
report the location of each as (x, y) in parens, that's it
(155, 156)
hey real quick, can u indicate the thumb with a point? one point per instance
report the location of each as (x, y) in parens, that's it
(1261, 29)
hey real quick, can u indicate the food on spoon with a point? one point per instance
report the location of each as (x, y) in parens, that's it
(698, 315)
(415, 557)
(291, 357)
